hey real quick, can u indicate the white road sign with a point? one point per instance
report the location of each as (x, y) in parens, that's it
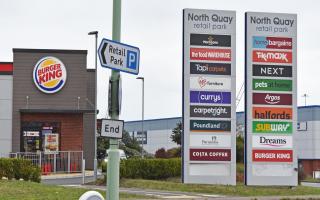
(119, 56)
(112, 128)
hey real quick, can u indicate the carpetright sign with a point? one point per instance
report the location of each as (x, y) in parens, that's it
(209, 111)
(271, 99)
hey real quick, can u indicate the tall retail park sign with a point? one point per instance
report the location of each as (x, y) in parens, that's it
(209, 111)
(271, 98)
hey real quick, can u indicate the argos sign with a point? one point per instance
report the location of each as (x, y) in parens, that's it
(49, 75)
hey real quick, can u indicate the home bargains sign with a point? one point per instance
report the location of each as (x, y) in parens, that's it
(209, 97)
(271, 105)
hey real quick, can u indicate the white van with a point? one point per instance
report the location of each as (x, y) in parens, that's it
(122, 155)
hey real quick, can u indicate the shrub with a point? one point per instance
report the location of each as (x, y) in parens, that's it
(19, 168)
(161, 153)
(174, 152)
(150, 168)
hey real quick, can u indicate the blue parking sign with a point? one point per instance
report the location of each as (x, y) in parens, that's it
(132, 59)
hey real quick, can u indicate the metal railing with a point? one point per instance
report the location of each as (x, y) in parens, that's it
(53, 162)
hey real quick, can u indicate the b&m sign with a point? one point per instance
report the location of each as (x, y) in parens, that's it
(271, 105)
(49, 75)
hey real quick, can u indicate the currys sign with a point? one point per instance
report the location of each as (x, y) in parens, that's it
(49, 75)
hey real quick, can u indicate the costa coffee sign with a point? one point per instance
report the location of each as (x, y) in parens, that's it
(210, 154)
(272, 155)
(272, 99)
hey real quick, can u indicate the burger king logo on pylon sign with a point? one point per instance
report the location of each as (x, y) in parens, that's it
(49, 75)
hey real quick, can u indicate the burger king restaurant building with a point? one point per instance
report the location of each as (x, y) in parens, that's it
(47, 102)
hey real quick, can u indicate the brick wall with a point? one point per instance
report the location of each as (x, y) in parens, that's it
(71, 136)
(309, 166)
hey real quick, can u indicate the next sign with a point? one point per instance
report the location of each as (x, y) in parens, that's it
(112, 128)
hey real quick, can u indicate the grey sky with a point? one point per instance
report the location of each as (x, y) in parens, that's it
(155, 26)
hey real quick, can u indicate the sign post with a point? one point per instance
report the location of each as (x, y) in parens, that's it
(113, 167)
(118, 57)
(271, 99)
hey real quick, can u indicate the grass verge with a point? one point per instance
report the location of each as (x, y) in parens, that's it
(238, 190)
(10, 190)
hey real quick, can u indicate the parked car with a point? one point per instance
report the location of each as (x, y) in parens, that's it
(122, 155)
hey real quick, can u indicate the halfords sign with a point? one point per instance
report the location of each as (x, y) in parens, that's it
(271, 113)
(49, 75)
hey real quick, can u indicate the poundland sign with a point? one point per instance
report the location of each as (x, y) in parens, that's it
(271, 98)
(209, 96)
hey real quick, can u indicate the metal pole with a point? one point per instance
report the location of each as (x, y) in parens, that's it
(142, 117)
(95, 164)
(95, 110)
(113, 154)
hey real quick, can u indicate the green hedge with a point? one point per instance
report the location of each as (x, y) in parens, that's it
(149, 168)
(19, 169)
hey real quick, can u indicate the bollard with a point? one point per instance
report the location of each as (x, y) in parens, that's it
(83, 170)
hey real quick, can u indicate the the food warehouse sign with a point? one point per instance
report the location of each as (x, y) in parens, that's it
(271, 98)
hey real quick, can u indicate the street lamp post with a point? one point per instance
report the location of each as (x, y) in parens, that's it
(95, 164)
(142, 133)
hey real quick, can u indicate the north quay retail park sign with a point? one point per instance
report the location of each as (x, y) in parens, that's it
(209, 109)
(271, 99)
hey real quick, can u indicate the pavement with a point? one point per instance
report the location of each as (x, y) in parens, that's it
(75, 180)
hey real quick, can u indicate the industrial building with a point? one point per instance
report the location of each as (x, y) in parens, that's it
(307, 139)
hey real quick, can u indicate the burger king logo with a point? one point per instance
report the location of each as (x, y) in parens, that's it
(49, 75)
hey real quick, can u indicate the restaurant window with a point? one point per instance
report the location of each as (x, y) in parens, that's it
(40, 136)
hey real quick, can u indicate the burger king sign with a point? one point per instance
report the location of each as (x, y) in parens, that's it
(49, 75)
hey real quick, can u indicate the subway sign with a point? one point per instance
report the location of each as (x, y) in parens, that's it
(49, 75)
(271, 127)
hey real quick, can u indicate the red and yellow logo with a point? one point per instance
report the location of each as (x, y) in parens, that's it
(49, 75)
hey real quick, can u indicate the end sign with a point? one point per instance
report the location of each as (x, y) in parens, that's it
(119, 56)
(112, 128)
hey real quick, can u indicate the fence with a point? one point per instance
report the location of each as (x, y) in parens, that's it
(53, 162)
